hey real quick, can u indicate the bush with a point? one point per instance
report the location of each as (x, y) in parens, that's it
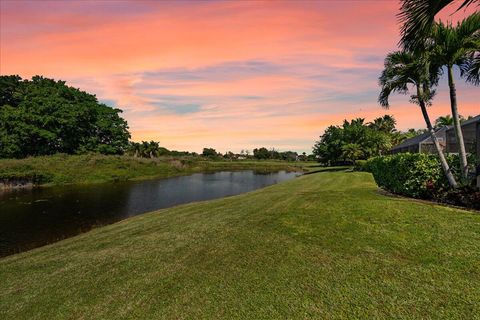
(420, 175)
(416, 175)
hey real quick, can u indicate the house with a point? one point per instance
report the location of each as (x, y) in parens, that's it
(422, 143)
(471, 137)
(446, 138)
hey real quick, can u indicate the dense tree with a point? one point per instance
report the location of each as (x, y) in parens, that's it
(42, 116)
(261, 153)
(209, 152)
(355, 140)
(329, 148)
(403, 69)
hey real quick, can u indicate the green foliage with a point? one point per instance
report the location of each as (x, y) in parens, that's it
(264, 154)
(42, 116)
(361, 165)
(355, 140)
(418, 17)
(457, 45)
(447, 120)
(261, 153)
(147, 149)
(209, 152)
(420, 175)
(411, 174)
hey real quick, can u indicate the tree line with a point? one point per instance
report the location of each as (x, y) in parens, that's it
(261, 153)
(42, 116)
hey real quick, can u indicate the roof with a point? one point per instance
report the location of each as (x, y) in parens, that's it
(417, 140)
(412, 141)
(474, 119)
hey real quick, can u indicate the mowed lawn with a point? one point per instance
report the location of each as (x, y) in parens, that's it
(325, 245)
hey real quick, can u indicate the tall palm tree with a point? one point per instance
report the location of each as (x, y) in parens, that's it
(404, 69)
(417, 18)
(455, 46)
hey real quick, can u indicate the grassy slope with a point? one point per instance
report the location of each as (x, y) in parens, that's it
(94, 168)
(325, 245)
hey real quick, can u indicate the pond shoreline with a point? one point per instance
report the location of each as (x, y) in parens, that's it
(61, 169)
(37, 217)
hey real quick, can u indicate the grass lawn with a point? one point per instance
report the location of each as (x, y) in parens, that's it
(96, 168)
(325, 245)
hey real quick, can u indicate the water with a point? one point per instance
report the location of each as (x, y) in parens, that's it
(32, 218)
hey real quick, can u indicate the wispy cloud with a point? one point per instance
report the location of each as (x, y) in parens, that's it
(231, 75)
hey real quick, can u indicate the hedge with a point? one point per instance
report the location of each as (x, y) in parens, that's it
(416, 175)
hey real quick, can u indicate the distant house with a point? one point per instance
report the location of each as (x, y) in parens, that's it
(447, 139)
(422, 143)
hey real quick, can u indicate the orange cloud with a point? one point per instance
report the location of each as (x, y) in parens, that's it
(231, 75)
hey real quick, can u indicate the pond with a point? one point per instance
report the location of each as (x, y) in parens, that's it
(36, 217)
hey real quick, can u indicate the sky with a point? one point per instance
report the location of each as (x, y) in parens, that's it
(230, 75)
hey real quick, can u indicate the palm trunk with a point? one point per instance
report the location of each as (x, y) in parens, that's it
(456, 124)
(443, 161)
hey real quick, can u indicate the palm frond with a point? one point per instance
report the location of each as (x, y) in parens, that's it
(398, 73)
(417, 18)
(470, 70)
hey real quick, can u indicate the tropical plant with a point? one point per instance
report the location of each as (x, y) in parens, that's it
(355, 140)
(447, 120)
(444, 121)
(385, 124)
(418, 16)
(455, 46)
(352, 152)
(403, 69)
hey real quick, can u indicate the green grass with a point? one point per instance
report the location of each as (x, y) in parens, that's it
(95, 168)
(325, 245)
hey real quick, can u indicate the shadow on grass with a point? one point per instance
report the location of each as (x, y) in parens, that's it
(329, 169)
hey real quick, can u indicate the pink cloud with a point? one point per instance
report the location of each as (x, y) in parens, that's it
(231, 75)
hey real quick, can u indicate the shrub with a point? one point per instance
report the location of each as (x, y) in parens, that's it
(420, 175)
(416, 175)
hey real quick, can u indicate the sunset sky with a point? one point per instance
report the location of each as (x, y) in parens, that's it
(229, 75)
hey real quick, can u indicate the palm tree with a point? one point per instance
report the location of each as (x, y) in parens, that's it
(384, 124)
(447, 120)
(417, 18)
(403, 69)
(352, 152)
(455, 46)
(444, 121)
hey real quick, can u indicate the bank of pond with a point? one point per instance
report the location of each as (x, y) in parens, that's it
(34, 217)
